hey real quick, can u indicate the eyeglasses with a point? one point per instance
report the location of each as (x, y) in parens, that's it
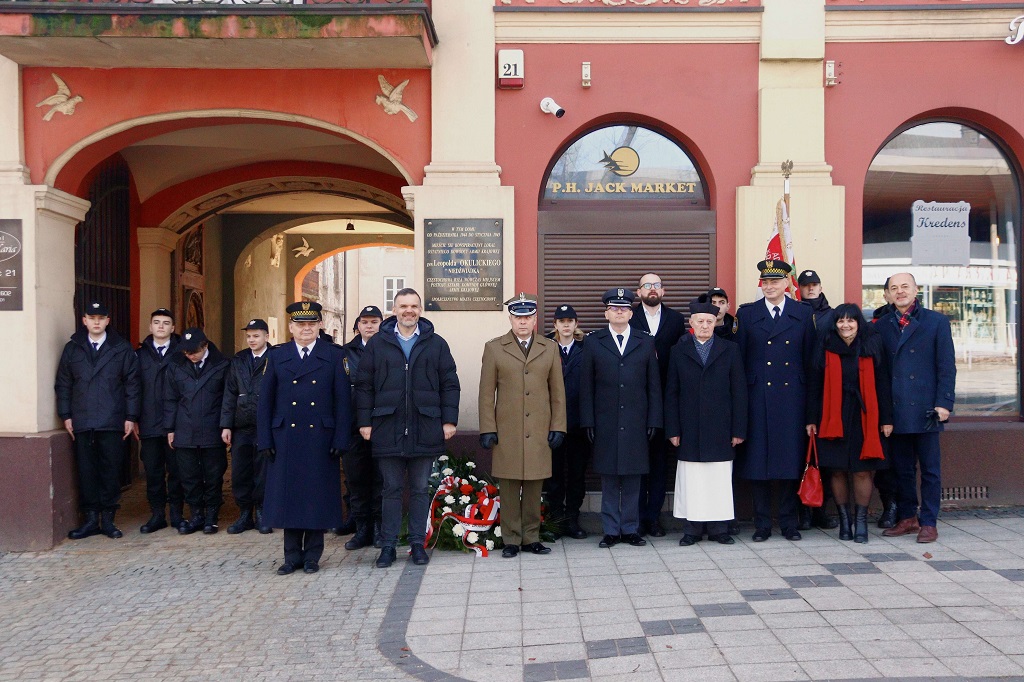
(619, 309)
(651, 285)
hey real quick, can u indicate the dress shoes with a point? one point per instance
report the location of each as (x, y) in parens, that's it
(688, 540)
(657, 531)
(804, 518)
(927, 534)
(634, 539)
(888, 517)
(510, 551)
(904, 527)
(762, 534)
(734, 528)
(575, 532)
(363, 538)
(386, 558)
(310, 567)
(419, 555)
(156, 522)
(722, 539)
(643, 528)
(791, 534)
(536, 548)
(89, 528)
(822, 520)
(286, 569)
(608, 541)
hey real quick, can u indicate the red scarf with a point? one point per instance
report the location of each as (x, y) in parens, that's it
(832, 407)
(904, 319)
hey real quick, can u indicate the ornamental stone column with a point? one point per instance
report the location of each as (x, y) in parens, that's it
(156, 248)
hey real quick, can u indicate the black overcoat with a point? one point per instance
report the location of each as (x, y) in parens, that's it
(620, 398)
(152, 370)
(705, 405)
(304, 411)
(242, 395)
(571, 377)
(774, 356)
(192, 404)
(670, 330)
(98, 391)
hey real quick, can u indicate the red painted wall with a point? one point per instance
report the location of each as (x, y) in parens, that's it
(705, 96)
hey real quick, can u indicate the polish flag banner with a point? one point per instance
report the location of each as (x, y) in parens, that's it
(780, 243)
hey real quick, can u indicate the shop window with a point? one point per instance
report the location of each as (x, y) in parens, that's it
(392, 285)
(942, 200)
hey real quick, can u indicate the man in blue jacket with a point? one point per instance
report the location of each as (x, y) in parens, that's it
(98, 394)
(407, 406)
(919, 344)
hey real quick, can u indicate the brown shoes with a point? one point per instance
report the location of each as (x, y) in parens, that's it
(904, 527)
(927, 534)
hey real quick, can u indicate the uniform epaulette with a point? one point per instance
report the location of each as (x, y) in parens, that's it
(592, 331)
(744, 305)
(643, 331)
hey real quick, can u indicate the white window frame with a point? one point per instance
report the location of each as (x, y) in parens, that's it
(392, 285)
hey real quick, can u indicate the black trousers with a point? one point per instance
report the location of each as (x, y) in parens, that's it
(248, 474)
(652, 486)
(202, 475)
(885, 481)
(302, 545)
(784, 492)
(99, 455)
(365, 484)
(567, 486)
(701, 528)
(163, 480)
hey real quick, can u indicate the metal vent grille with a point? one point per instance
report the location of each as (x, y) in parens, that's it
(965, 492)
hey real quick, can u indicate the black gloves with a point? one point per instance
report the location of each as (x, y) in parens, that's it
(590, 434)
(488, 440)
(269, 453)
(555, 439)
(335, 454)
(650, 433)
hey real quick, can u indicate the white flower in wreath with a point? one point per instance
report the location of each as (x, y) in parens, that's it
(490, 545)
(497, 531)
(471, 465)
(458, 530)
(448, 499)
(447, 472)
(463, 482)
(442, 458)
(472, 537)
(434, 475)
(446, 510)
(464, 499)
(474, 479)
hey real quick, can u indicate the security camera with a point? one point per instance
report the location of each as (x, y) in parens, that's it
(550, 106)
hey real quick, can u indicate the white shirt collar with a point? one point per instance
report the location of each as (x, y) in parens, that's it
(206, 354)
(648, 312)
(102, 340)
(769, 306)
(310, 347)
(625, 337)
(399, 334)
(569, 347)
(261, 354)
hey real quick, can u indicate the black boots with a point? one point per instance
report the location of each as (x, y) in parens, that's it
(804, 518)
(176, 514)
(211, 527)
(845, 532)
(107, 526)
(263, 528)
(575, 532)
(363, 536)
(197, 522)
(819, 519)
(860, 524)
(245, 522)
(156, 522)
(90, 527)
(888, 517)
(378, 536)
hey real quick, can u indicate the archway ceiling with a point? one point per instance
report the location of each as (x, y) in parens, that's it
(308, 202)
(169, 159)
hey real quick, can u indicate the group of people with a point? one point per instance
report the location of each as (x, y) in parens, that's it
(725, 396)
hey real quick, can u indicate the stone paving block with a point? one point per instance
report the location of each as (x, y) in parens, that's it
(813, 581)
(1015, 574)
(680, 662)
(959, 565)
(559, 670)
(625, 666)
(911, 667)
(855, 568)
(768, 672)
(724, 609)
(885, 557)
(839, 669)
(549, 653)
(769, 594)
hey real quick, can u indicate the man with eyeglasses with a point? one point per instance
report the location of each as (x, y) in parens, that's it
(666, 326)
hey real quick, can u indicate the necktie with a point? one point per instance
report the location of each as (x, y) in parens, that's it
(198, 367)
(775, 313)
(565, 352)
(161, 350)
(305, 353)
(96, 346)
(619, 337)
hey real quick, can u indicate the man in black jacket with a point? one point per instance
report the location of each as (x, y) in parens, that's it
(193, 396)
(163, 482)
(407, 406)
(361, 473)
(666, 326)
(238, 427)
(98, 398)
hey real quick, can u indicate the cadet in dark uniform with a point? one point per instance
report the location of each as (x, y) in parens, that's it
(725, 323)
(193, 396)
(304, 423)
(238, 428)
(163, 482)
(98, 398)
(620, 407)
(776, 340)
(361, 472)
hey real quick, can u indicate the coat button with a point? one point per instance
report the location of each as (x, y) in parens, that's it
(526, 371)
(527, 435)
(527, 393)
(310, 426)
(911, 350)
(294, 403)
(312, 404)
(769, 363)
(293, 426)
(769, 343)
(769, 383)
(296, 381)
(314, 380)
(786, 384)
(911, 376)
(787, 364)
(622, 385)
(787, 343)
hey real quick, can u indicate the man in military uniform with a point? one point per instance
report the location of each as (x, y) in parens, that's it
(303, 424)
(98, 398)
(238, 427)
(163, 480)
(665, 326)
(776, 338)
(522, 417)
(620, 407)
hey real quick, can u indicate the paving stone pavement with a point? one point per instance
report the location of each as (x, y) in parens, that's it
(167, 607)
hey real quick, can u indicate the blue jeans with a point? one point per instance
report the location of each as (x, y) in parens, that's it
(910, 450)
(394, 470)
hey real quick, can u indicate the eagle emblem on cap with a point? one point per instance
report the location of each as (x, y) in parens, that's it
(564, 307)
(95, 305)
(305, 305)
(522, 296)
(252, 321)
(808, 273)
(621, 293)
(188, 337)
(367, 309)
(769, 264)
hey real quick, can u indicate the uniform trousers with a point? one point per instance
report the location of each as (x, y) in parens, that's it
(652, 486)
(885, 481)
(520, 510)
(302, 545)
(785, 493)
(567, 487)
(909, 451)
(248, 470)
(163, 481)
(99, 455)
(620, 504)
(701, 528)
(202, 475)
(394, 471)
(363, 480)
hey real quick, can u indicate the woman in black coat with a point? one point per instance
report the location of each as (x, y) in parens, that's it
(849, 407)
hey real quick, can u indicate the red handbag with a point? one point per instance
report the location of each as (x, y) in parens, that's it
(810, 485)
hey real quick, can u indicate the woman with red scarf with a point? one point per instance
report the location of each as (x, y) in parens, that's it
(849, 407)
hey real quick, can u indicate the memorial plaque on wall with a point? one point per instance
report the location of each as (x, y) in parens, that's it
(10, 265)
(463, 264)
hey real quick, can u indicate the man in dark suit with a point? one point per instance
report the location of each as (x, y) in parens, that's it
(303, 424)
(666, 326)
(776, 339)
(621, 410)
(919, 344)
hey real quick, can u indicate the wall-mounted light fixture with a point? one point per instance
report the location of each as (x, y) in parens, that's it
(350, 227)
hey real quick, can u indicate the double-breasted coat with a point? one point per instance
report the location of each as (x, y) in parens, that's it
(620, 398)
(98, 391)
(705, 404)
(192, 403)
(152, 374)
(522, 399)
(775, 355)
(304, 411)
